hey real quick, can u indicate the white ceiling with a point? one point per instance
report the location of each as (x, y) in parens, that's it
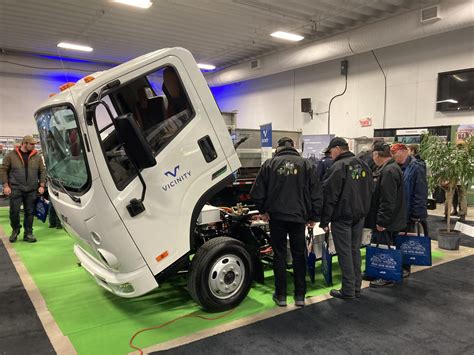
(219, 32)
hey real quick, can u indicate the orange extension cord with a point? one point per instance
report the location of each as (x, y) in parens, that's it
(172, 321)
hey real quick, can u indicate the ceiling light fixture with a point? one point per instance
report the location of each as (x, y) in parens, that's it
(76, 47)
(142, 4)
(206, 66)
(288, 36)
(452, 101)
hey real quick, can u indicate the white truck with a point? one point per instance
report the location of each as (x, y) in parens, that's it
(134, 155)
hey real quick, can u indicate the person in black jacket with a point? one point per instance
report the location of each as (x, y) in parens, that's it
(347, 190)
(324, 165)
(387, 216)
(287, 192)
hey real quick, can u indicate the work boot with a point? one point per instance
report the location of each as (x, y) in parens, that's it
(14, 235)
(30, 238)
(339, 294)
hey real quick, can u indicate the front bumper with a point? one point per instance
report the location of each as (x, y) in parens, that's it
(132, 284)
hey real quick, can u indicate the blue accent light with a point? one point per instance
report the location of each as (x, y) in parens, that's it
(66, 59)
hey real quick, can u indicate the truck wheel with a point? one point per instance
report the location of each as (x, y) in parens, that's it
(221, 274)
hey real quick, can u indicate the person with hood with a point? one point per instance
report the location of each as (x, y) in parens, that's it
(23, 176)
(387, 215)
(287, 192)
(415, 188)
(347, 190)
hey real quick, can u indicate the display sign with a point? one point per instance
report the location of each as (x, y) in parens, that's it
(415, 131)
(314, 145)
(464, 131)
(365, 122)
(266, 135)
(266, 141)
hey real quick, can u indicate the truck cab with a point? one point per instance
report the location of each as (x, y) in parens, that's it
(133, 154)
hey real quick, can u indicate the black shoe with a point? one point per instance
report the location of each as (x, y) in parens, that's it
(59, 226)
(381, 283)
(52, 226)
(29, 238)
(14, 236)
(280, 301)
(299, 301)
(357, 294)
(339, 294)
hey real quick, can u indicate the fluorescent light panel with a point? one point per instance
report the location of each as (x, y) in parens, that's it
(76, 47)
(288, 36)
(447, 100)
(206, 66)
(143, 4)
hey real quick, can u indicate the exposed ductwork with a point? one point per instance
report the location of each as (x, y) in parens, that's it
(456, 14)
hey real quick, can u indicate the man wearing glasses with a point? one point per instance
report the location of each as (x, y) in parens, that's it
(23, 175)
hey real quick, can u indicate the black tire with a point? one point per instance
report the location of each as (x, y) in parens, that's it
(210, 263)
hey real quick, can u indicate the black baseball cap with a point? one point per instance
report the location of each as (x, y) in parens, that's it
(285, 141)
(381, 146)
(336, 142)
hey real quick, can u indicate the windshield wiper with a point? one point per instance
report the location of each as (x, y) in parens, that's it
(60, 184)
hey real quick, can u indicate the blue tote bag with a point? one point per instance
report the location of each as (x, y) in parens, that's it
(416, 249)
(41, 208)
(383, 263)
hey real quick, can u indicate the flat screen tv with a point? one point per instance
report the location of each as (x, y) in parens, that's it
(455, 90)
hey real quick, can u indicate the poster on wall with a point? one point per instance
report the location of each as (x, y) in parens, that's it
(464, 131)
(266, 141)
(314, 146)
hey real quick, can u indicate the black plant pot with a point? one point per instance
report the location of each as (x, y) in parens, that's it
(448, 241)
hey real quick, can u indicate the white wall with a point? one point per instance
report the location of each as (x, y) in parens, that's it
(411, 70)
(23, 89)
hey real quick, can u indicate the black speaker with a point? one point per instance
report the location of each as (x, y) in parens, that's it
(306, 105)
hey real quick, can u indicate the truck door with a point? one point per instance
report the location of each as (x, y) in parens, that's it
(189, 154)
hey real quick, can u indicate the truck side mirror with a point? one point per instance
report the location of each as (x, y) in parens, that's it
(135, 143)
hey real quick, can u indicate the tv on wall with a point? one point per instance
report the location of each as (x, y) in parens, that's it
(455, 90)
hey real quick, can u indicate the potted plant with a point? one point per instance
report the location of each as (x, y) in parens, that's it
(450, 164)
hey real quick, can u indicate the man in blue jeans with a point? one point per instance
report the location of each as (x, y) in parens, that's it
(347, 191)
(287, 192)
(23, 175)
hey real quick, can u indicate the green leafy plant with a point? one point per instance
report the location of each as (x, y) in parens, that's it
(449, 164)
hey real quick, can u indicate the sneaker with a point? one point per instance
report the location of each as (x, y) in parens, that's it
(29, 238)
(380, 283)
(339, 294)
(280, 301)
(299, 301)
(14, 236)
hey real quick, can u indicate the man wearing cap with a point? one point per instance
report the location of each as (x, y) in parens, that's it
(347, 191)
(416, 189)
(387, 215)
(23, 175)
(287, 192)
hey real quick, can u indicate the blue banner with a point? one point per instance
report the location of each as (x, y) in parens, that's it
(266, 135)
(383, 264)
(415, 250)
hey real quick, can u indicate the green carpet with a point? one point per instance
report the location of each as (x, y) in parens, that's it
(98, 322)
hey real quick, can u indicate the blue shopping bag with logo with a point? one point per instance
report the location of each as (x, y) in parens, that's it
(41, 208)
(326, 262)
(383, 263)
(415, 248)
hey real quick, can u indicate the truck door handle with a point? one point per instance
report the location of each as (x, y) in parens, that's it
(207, 149)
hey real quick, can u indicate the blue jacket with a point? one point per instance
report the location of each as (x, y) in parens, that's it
(416, 188)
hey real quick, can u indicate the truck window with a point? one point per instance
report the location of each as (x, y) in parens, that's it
(62, 147)
(161, 108)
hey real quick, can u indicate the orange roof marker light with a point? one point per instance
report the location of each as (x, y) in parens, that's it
(66, 86)
(162, 256)
(52, 94)
(88, 78)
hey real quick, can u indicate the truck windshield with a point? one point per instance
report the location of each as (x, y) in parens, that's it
(62, 147)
